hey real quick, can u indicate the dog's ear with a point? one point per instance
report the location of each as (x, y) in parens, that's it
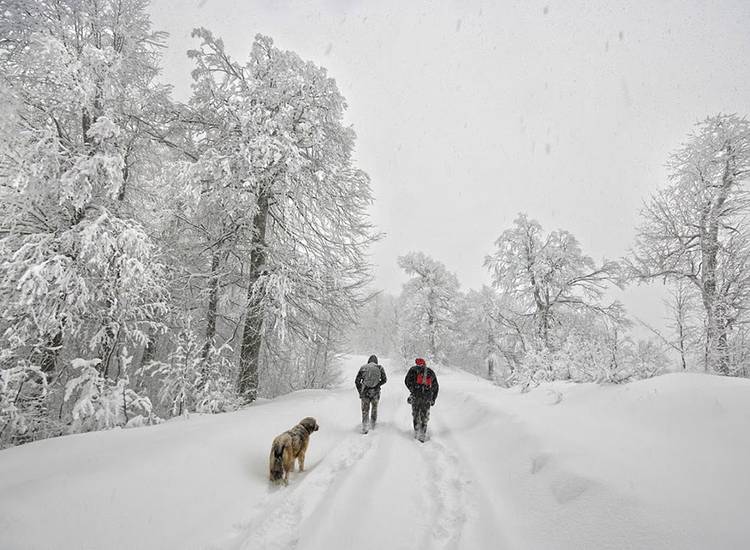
(316, 427)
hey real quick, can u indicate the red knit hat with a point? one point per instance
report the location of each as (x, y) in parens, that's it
(420, 362)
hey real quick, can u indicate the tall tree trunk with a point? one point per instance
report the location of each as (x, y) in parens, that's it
(252, 335)
(150, 350)
(86, 121)
(722, 341)
(711, 218)
(613, 366)
(88, 117)
(213, 301)
(432, 325)
(723, 351)
(108, 346)
(709, 251)
(48, 362)
(431, 335)
(545, 326)
(717, 353)
(682, 345)
(717, 349)
(125, 176)
(680, 309)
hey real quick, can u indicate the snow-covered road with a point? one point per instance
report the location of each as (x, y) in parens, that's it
(655, 464)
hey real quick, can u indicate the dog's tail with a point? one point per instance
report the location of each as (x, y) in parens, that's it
(276, 466)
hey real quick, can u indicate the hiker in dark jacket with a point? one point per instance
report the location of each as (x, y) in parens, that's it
(423, 390)
(368, 381)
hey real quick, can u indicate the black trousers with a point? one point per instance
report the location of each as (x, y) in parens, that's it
(420, 414)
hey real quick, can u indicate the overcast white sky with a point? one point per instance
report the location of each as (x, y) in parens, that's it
(470, 112)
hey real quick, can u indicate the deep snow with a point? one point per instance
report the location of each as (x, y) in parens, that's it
(654, 464)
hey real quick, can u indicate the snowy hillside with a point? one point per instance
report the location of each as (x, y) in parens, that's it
(654, 464)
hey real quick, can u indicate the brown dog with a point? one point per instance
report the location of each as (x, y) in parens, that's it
(288, 446)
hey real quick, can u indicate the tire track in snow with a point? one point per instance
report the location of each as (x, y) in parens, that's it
(277, 519)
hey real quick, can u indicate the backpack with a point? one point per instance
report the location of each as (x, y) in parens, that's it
(371, 375)
(423, 382)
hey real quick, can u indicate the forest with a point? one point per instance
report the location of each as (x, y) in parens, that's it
(160, 257)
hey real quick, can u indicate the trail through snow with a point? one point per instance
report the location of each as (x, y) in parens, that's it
(380, 490)
(655, 464)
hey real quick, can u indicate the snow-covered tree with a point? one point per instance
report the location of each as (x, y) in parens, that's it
(191, 380)
(275, 126)
(205, 230)
(492, 337)
(103, 403)
(547, 274)
(593, 348)
(376, 326)
(685, 334)
(696, 229)
(79, 275)
(429, 302)
(238, 220)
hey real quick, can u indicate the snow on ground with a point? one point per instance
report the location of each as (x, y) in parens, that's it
(653, 464)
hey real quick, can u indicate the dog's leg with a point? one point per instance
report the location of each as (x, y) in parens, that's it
(301, 460)
(288, 463)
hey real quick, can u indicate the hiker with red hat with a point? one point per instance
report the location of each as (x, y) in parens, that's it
(423, 390)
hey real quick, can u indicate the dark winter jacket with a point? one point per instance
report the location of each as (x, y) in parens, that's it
(422, 384)
(359, 383)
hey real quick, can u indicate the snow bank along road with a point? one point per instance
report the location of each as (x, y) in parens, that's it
(654, 464)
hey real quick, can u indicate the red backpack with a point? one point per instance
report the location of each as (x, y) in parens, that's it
(425, 380)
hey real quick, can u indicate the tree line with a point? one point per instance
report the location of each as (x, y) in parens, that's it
(159, 257)
(546, 314)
